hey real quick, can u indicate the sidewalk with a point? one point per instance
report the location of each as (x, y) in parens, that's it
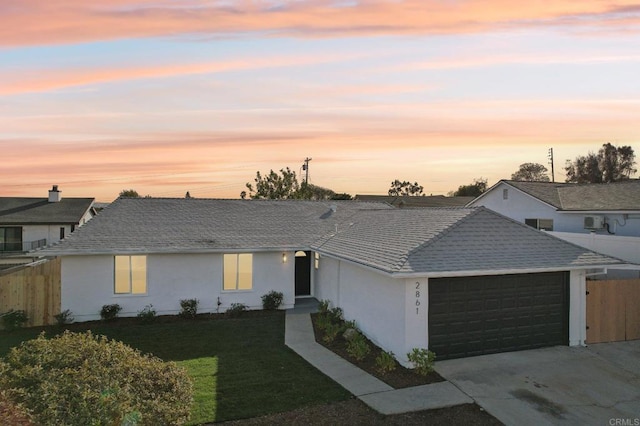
(373, 392)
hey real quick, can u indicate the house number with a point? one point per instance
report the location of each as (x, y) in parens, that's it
(417, 298)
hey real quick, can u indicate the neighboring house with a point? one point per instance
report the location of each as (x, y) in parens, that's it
(602, 217)
(29, 223)
(459, 281)
(417, 201)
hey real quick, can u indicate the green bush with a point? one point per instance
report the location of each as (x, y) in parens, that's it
(82, 379)
(358, 347)
(422, 360)
(386, 362)
(14, 319)
(335, 314)
(189, 308)
(147, 315)
(331, 331)
(323, 306)
(272, 300)
(346, 325)
(110, 312)
(236, 310)
(12, 413)
(64, 317)
(322, 322)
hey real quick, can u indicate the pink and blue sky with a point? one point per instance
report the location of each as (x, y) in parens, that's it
(169, 96)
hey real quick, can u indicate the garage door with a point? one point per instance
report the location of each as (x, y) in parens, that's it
(471, 316)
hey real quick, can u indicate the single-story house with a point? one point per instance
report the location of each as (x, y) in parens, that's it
(27, 223)
(604, 217)
(460, 281)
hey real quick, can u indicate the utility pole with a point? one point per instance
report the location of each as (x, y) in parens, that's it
(550, 155)
(305, 167)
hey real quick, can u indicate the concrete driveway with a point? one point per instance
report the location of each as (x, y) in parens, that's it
(596, 385)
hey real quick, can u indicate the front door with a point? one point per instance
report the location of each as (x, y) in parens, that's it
(303, 273)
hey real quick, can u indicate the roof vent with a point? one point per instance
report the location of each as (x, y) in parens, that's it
(333, 208)
(54, 195)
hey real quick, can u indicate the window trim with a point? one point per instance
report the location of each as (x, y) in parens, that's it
(538, 224)
(130, 293)
(236, 289)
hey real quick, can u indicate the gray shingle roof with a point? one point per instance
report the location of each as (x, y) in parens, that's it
(32, 211)
(420, 201)
(164, 225)
(396, 241)
(453, 240)
(624, 195)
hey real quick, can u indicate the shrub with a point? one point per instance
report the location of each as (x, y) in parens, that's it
(236, 310)
(323, 306)
(349, 324)
(64, 317)
(422, 360)
(189, 308)
(322, 322)
(12, 413)
(14, 319)
(79, 378)
(331, 331)
(358, 347)
(110, 312)
(335, 314)
(386, 362)
(272, 300)
(147, 315)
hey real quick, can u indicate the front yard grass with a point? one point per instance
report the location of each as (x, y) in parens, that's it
(240, 367)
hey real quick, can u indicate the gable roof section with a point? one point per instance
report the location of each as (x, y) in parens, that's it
(433, 241)
(39, 211)
(616, 196)
(166, 225)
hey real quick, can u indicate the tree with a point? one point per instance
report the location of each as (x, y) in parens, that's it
(274, 186)
(610, 164)
(531, 172)
(130, 193)
(342, 196)
(399, 189)
(472, 190)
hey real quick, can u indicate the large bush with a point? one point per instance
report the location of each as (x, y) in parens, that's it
(82, 379)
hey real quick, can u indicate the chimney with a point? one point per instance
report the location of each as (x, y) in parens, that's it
(54, 195)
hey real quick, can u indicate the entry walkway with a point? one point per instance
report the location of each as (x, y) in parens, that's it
(373, 392)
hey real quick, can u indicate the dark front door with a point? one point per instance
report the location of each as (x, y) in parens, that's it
(471, 316)
(303, 273)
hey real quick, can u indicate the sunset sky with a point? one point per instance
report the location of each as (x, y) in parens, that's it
(170, 96)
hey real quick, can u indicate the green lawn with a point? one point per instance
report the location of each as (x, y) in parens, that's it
(240, 367)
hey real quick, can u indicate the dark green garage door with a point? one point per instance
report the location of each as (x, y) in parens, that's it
(471, 316)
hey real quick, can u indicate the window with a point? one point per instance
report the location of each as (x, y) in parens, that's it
(316, 260)
(62, 233)
(130, 275)
(544, 224)
(237, 271)
(505, 194)
(11, 238)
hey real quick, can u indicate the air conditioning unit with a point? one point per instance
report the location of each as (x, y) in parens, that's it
(593, 222)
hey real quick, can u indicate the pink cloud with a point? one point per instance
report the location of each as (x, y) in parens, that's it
(35, 22)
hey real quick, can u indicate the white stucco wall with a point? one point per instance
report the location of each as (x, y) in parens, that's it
(87, 283)
(375, 301)
(49, 232)
(520, 206)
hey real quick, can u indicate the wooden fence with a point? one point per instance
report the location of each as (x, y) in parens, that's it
(34, 288)
(613, 310)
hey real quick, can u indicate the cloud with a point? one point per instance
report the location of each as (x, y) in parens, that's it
(36, 22)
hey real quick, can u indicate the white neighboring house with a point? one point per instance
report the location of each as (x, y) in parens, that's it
(30, 223)
(601, 217)
(459, 281)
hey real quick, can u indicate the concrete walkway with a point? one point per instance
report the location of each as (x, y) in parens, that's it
(373, 392)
